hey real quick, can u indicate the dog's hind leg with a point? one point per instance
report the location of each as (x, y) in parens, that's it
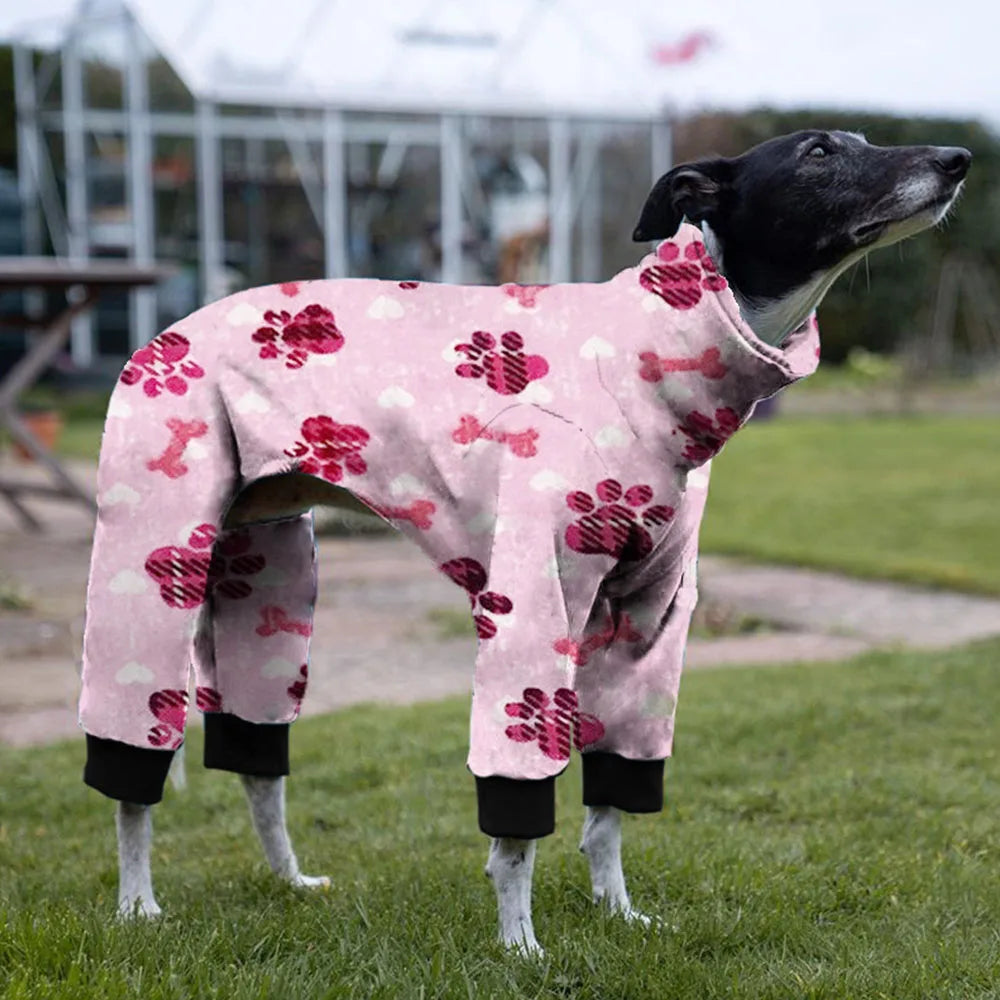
(511, 865)
(267, 809)
(135, 842)
(250, 659)
(602, 844)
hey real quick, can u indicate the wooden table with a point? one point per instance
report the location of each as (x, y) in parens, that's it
(52, 273)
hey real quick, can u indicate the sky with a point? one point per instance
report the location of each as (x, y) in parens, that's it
(910, 57)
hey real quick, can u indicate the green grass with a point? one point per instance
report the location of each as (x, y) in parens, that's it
(903, 499)
(831, 832)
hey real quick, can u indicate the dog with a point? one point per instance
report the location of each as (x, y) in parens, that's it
(556, 471)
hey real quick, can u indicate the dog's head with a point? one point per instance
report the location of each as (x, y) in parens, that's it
(803, 205)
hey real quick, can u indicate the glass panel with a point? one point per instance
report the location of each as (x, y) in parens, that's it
(102, 49)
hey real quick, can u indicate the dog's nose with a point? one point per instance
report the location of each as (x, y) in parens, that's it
(953, 161)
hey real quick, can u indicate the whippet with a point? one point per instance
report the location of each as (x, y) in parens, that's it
(547, 446)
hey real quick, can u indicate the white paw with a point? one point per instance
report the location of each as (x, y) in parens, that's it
(525, 945)
(309, 881)
(622, 907)
(633, 916)
(129, 909)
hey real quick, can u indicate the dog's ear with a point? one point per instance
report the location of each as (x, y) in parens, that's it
(690, 191)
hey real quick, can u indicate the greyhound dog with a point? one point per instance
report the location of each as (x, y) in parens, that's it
(639, 380)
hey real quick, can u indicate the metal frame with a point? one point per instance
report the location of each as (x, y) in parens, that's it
(574, 146)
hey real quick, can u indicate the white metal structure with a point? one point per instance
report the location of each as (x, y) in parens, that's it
(323, 78)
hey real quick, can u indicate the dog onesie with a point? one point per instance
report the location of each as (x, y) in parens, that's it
(546, 446)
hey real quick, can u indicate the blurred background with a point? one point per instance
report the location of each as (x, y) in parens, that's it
(242, 143)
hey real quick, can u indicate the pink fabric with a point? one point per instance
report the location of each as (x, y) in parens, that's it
(546, 446)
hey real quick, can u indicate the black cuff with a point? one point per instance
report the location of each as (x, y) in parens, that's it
(635, 786)
(232, 744)
(509, 807)
(125, 772)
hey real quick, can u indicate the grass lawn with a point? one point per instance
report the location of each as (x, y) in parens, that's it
(912, 499)
(832, 832)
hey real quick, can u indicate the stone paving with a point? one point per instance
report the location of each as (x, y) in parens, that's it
(376, 639)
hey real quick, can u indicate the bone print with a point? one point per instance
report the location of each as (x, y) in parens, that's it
(708, 363)
(163, 364)
(509, 370)
(521, 443)
(470, 574)
(580, 652)
(557, 724)
(313, 330)
(181, 432)
(526, 295)
(418, 513)
(275, 620)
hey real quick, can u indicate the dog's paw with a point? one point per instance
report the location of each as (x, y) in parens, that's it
(138, 909)
(300, 881)
(524, 945)
(628, 913)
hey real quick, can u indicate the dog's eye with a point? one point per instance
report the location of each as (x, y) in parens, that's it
(818, 151)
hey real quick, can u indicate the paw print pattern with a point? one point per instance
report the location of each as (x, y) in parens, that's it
(231, 563)
(311, 331)
(169, 707)
(297, 690)
(509, 370)
(526, 296)
(182, 572)
(557, 724)
(163, 364)
(208, 699)
(708, 437)
(680, 283)
(329, 448)
(615, 528)
(469, 574)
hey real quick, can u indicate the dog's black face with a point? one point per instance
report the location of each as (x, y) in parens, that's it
(805, 204)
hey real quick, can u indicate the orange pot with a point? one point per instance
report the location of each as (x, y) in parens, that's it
(46, 425)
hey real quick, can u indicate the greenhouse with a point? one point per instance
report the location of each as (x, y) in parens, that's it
(313, 142)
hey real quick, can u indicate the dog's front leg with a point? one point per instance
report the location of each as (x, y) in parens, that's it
(511, 865)
(267, 809)
(602, 844)
(135, 842)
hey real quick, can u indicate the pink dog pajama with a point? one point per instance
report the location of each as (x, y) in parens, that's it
(546, 446)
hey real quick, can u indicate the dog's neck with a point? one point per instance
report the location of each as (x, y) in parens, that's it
(774, 319)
